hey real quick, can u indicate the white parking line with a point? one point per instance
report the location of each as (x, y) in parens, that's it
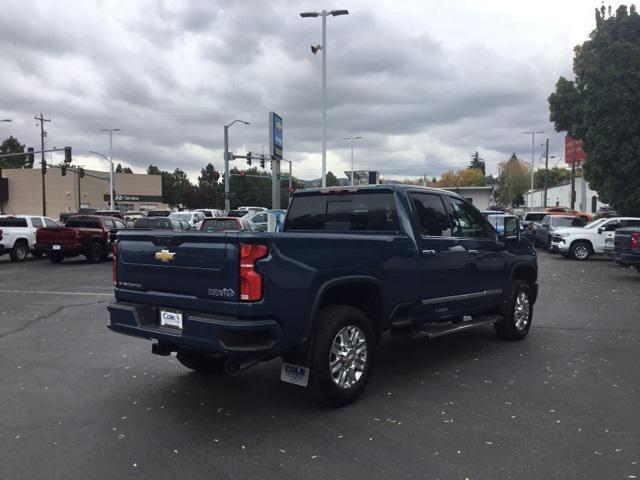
(31, 292)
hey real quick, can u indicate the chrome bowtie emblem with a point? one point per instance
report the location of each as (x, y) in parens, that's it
(164, 256)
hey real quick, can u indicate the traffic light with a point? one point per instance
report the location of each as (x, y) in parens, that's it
(63, 170)
(242, 174)
(248, 158)
(67, 154)
(262, 162)
(43, 164)
(81, 171)
(30, 155)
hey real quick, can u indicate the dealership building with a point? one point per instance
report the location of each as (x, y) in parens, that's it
(21, 191)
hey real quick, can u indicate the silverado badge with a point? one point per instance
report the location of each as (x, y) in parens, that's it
(165, 255)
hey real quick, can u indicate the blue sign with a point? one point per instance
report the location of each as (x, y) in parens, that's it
(275, 137)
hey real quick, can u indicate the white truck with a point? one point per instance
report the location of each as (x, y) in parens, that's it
(581, 243)
(18, 235)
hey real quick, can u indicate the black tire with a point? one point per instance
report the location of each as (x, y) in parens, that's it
(200, 362)
(55, 257)
(564, 254)
(19, 252)
(511, 326)
(95, 253)
(334, 324)
(37, 253)
(580, 250)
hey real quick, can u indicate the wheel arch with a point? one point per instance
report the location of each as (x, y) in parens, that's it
(528, 273)
(582, 240)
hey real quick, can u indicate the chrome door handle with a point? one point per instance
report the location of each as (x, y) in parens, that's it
(473, 252)
(428, 252)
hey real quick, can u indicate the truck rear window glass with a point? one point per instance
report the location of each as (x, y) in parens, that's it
(75, 222)
(338, 212)
(13, 222)
(219, 225)
(163, 223)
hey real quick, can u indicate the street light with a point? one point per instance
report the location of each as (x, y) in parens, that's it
(110, 130)
(352, 139)
(324, 14)
(5, 120)
(110, 174)
(227, 200)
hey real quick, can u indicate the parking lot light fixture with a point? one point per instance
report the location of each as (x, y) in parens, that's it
(227, 200)
(5, 120)
(324, 14)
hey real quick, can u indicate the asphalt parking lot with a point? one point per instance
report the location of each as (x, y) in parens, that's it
(78, 401)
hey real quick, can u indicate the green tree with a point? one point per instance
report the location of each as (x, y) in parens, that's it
(118, 168)
(514, 180)
(467, 177)
(127, 170)
(12, 145)
(601, 107)
(557, 176)
(332, 180)
(477, 162)
(208, 177)
(153, 170)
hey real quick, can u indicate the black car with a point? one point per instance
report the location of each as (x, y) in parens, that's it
(237, 213)
(161, 223)
(606, 212)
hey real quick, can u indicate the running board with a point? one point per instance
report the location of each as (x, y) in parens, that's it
(434, 330)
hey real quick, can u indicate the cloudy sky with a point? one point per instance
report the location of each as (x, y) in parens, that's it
(424, 82)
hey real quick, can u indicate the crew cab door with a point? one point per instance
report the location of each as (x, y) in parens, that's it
(485, 276)
(442, 259)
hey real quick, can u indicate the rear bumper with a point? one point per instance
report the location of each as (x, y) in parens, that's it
(219, 335)
(65, 249)
(627, 259)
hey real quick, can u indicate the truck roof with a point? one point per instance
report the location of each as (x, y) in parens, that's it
(384, 186)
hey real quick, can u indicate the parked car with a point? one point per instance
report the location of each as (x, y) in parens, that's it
(88, 235)
(582, 243)
(210, 212)
(529, 220)
(226, 224)
(158, 213)
(258, 220)
(161, 223)
(543, 231)
(568, 211)
(606, 212)
(194, 219)
(496, 219)
(627, 247)
(350, 264)
(18, 235)
(131, 216)
(109, 213)
(609, 249)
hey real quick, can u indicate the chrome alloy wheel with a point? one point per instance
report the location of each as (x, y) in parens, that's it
(581, 252)
(521, 311)
(348, 356)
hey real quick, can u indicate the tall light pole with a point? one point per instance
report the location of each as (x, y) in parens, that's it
(324, 14)
(5, 120)
(111, 186)
(533, 148)
(352, 139)
(227, 200)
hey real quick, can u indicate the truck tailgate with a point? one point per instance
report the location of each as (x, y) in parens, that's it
(185, 270)
(58, 236)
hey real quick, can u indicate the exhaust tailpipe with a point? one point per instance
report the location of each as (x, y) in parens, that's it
(234, 366)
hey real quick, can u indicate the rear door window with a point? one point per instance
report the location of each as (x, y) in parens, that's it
(432, 216)
(36, 222)
(339, 212)
(13, 222)
(50, 223)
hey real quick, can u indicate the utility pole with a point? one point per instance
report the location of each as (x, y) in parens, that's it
(43, 162)
(227, 159)
(79, 192)
(573, 176)
(546, 173)
(111, 174)
(533, 149)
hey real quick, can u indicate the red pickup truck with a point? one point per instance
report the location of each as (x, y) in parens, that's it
(88, 235)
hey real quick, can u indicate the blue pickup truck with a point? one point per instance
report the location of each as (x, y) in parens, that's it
(350, 264)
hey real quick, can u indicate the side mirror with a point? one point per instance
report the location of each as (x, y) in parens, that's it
(511, 229)
(600, 230)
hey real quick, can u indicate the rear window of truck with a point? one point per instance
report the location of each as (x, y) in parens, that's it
(219, 225)
(13, 222)
(82, 223)
(339, 212)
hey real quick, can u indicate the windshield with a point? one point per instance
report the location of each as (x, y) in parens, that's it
(221, 225)
(185, 217)
(495, 220)
(567, 222)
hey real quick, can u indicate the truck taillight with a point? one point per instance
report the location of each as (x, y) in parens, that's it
(635, 240)
(250, 279)
(114, 263)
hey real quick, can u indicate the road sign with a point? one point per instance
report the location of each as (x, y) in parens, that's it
(275, 135)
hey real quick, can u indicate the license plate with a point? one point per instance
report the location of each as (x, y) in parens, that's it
(171, 319)
(56, 247)
(294, 374)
